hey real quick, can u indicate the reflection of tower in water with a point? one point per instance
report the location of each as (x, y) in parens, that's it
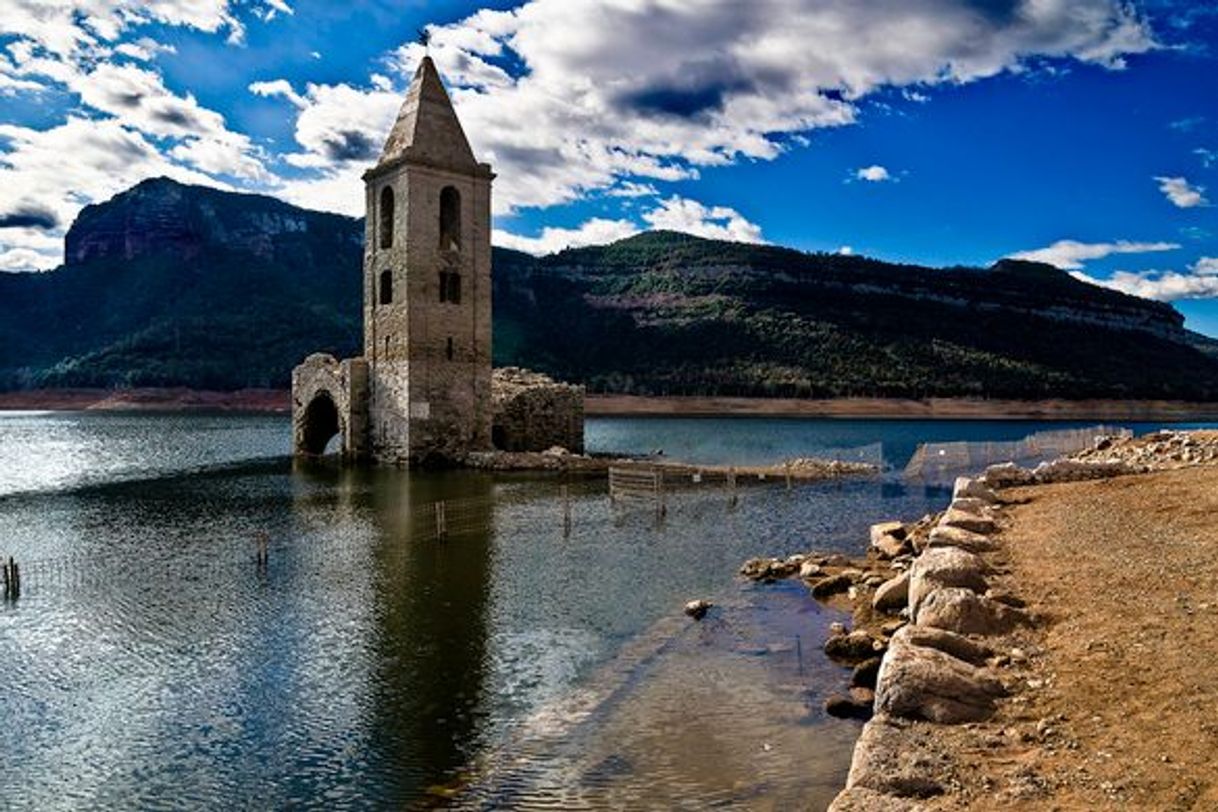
(433, 608)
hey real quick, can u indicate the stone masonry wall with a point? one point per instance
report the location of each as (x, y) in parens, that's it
(533, 412)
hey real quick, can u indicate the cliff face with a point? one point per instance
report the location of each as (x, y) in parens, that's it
(172, 285)
(159, 216)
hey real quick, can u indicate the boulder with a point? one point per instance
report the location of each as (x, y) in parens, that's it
(959, 537)
(769, 569)
(864, 674)
(697, 609)
(810, 569)
(940, 567)
(965, 612)
(898, 760)
(955, 517)
(888, 539)
(853, 647)
(832, 585)
(861, 799)
(892, 595)
(842, 706)
(1006, 475)
(968, 488)
(956, 645)
(917, 682)
(1066, 470)
(975, 507)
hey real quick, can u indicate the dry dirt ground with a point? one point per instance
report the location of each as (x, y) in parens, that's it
(1116, 703)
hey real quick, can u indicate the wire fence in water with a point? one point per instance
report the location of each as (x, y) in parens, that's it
(569, 507)
(934, 460)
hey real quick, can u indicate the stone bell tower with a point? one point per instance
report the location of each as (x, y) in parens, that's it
(427, 285)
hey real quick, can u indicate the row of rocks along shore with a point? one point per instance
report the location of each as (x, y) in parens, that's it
(939, 635)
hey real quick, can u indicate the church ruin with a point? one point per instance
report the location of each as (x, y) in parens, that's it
(422, 391)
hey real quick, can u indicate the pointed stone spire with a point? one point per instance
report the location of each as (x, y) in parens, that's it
(427, 129)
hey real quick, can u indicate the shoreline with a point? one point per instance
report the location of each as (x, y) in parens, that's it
(271, 401)
(1006, 685)
(279, 401)
(900, 408)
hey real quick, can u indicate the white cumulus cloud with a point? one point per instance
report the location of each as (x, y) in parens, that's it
(1071, 254)
(1200, 282)
(597, 231)
(693, 217)
(647, 91)
(1181, 193)
(873, 174)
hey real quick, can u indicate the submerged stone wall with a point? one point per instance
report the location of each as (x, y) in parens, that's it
(533, 412)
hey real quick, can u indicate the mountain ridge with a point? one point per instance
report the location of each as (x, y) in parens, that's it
(171, 285)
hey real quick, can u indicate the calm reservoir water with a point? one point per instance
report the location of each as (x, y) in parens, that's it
(150, 662)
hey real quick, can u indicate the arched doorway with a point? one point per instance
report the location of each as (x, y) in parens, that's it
(319, 424)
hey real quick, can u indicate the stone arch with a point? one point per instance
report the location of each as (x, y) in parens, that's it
(319, 424)
(322, 405)
(386, 216)
(450, 219)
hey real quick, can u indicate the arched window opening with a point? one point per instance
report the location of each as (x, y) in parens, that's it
(386, 287)
(386, 210)
(450, 287)
(450, 219)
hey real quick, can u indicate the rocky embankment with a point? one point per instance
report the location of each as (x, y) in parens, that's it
(942, 641)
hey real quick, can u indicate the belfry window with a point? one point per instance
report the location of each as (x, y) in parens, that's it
(386, 287)
(450, 287)
(386, 222)
(450, 219)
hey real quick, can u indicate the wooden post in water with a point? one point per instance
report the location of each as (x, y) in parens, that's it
(12, 580)
(731, 487)
(787, 470)
(661, 504)
(566, 510)
(441, 521)
(264, 541)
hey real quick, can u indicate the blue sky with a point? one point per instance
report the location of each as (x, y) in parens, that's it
(1081, 132)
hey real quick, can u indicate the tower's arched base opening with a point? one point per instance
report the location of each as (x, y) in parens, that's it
(320, 425)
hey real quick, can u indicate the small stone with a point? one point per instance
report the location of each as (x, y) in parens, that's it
(853, 647)
(891, 627)
(837, 628)
(865, 673)
(697, 609)
(841, 706)
(810, 569)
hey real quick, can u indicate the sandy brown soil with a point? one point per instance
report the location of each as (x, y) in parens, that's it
(1116, 706)
(960, 408)
(175, 399)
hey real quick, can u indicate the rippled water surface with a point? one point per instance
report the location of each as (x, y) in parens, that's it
(151, 662)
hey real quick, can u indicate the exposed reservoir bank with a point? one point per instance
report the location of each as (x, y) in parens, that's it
(373, 663)
(940, 408)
